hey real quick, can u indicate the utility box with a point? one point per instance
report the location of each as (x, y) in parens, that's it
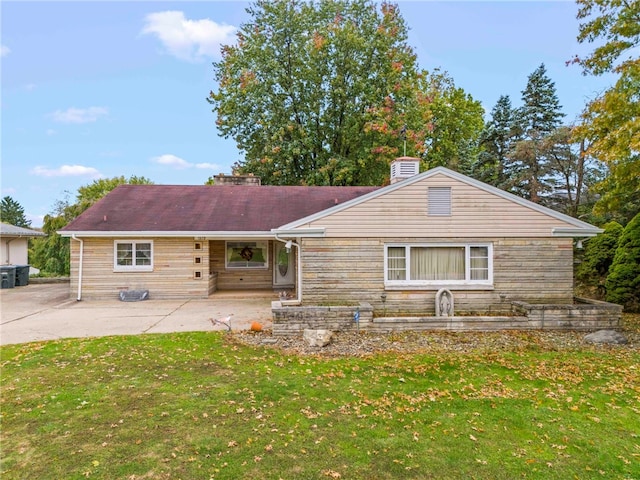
(22, 275)
(8, 276)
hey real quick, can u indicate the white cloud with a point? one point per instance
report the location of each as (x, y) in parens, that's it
(79, 115)
(180, 163)
(191, 40)
(4, 50)
(66, 171)
(210, 166)
(51, 131)
(171, 160)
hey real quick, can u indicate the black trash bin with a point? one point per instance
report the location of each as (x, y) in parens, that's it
(8, 276)
(22, 275)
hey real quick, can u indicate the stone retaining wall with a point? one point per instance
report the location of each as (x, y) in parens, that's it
(584, 315)
(294, 320)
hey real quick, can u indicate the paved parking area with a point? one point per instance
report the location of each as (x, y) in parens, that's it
(38, 312)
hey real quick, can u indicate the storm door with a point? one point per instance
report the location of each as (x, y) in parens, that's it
(283, 268)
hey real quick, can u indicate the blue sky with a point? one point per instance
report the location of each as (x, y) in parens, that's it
(101, 89)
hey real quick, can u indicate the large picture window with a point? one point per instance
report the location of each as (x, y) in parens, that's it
(427, 264)
(247, 255)
(133, 256)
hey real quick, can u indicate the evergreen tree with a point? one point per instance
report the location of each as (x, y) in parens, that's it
(11, 212)
(529, 170)
(495, 144)
(623, 282)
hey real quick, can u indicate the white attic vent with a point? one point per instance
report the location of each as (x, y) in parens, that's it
(439, 201)
(404, 167)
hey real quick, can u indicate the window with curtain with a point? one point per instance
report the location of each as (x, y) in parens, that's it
(133, 256)
(438, 264)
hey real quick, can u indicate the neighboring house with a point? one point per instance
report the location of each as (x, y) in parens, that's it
(14, 244)
(393, 247)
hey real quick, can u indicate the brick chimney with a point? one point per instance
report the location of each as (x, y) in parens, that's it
(249, 180)
(404, 167)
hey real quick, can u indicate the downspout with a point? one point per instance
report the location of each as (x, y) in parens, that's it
(79, 266)
(298, 299)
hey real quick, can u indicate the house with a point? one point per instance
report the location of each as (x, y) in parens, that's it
(390, 247)
(14, 244)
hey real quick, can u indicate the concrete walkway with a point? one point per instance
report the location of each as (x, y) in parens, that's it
(38, 312)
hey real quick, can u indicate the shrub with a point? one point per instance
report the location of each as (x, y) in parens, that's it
(623, 282)
(597, 257)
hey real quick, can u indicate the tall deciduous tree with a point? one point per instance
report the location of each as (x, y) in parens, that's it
(456, 120)
(318, 93)
(51, 254)
(611, 122)
(12, 212)
(528, 169)
(574, 172)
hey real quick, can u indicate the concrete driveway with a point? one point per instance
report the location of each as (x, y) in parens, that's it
(38, 312)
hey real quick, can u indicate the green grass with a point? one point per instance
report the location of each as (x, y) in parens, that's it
(201, 406)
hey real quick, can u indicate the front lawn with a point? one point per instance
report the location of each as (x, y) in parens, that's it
(204, 405)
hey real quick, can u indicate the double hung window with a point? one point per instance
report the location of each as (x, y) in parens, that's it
(133, 256)
(440, 264)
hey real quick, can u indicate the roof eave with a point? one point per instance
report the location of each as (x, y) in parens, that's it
(173, 234)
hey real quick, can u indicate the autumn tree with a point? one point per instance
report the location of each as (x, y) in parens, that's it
(320, 93)
(529, 171)
(51, 254)
(12, 212)
(611, 122)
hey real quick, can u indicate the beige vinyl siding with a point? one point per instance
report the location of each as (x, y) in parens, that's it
(475, 213)
(239, 279)
(349, 271)
(173, 274)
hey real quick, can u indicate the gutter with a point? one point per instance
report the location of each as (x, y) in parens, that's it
(79, 266)
(298, 299)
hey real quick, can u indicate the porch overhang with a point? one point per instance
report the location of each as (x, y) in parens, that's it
(575, 232)
(299, 232)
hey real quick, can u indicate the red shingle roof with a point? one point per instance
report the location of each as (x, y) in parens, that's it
(204, 208)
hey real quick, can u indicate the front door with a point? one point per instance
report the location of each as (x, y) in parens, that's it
(283, 266)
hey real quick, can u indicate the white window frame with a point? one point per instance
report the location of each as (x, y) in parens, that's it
(467, 283)
(262, 245)
(133, 267)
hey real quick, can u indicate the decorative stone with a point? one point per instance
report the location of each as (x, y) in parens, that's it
(133, 295)
(317, 338)
(444, 303)
(606, 336)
